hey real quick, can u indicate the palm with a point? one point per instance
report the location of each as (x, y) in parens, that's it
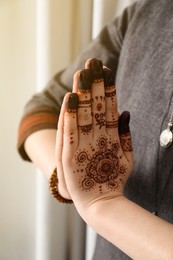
(101, 167)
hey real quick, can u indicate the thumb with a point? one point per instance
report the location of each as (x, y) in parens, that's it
(125, 135)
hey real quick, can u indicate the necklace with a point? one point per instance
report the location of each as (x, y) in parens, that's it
(166, 136)
(166, 140)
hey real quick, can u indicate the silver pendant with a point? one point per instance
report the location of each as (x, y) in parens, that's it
(166, 137)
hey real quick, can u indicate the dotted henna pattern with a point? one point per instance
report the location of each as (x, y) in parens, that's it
(102, 167)
(98, 80)
(86, 129)
(112, 94)
(84, 90)
(85, 102)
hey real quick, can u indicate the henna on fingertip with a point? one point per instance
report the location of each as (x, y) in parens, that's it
(96, 67)
(123, 123)
(124, 132)
(72, 102)
(86, 79)
(108, 78)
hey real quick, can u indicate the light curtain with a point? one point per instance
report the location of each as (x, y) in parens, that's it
(63, 29)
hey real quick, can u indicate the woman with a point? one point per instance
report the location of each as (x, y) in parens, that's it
(137, 47)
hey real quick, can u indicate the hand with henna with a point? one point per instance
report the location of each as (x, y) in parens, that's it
(94, 144)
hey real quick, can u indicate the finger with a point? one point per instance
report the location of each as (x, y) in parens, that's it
(87, 63)
(59, 146)
(98, 96)
(59, 135)
(76, 81)
(70, 127)
(84, 115)
(125, 135)
(110, 103)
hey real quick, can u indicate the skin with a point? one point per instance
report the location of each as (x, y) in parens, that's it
(96, 160)
(40, 147)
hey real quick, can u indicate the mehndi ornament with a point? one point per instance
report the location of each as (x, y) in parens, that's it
(53, 186)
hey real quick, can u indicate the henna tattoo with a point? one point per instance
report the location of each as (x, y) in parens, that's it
(72, 103)
(112, 124)
(122, 169)
(110, 94)
(123, 126)
(103, 167)
(85, 102)
(113, 184)
(71, 110)
(102, 143)
(100, 119)
(71, 138)
(96, 67)
(108, 77)
(84, 90)
(97, 80)
(115, 147)
(88, 183)
(97, 98)
(82, 157)
(86, 129)
(126, 143)
(110, 87)
(99, 106)
(86, 78)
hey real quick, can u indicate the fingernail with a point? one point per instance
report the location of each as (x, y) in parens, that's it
(72, 102)
(85, 80)
(97, 68)
(108, 77)
(123, 123)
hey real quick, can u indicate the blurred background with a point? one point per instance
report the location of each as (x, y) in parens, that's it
(38, 38)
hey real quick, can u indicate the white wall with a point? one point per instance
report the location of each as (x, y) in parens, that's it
(17, 179)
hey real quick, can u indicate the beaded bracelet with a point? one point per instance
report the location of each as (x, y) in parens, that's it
(53, 187)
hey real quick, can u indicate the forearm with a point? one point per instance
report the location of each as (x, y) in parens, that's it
(138, 233)
(40, 147)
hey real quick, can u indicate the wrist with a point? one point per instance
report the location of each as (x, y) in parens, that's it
(93, 211)
(63, 191)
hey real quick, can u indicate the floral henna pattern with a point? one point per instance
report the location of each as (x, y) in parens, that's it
(100, 119)
(99, 115)
(102, 167)
(126, 142)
